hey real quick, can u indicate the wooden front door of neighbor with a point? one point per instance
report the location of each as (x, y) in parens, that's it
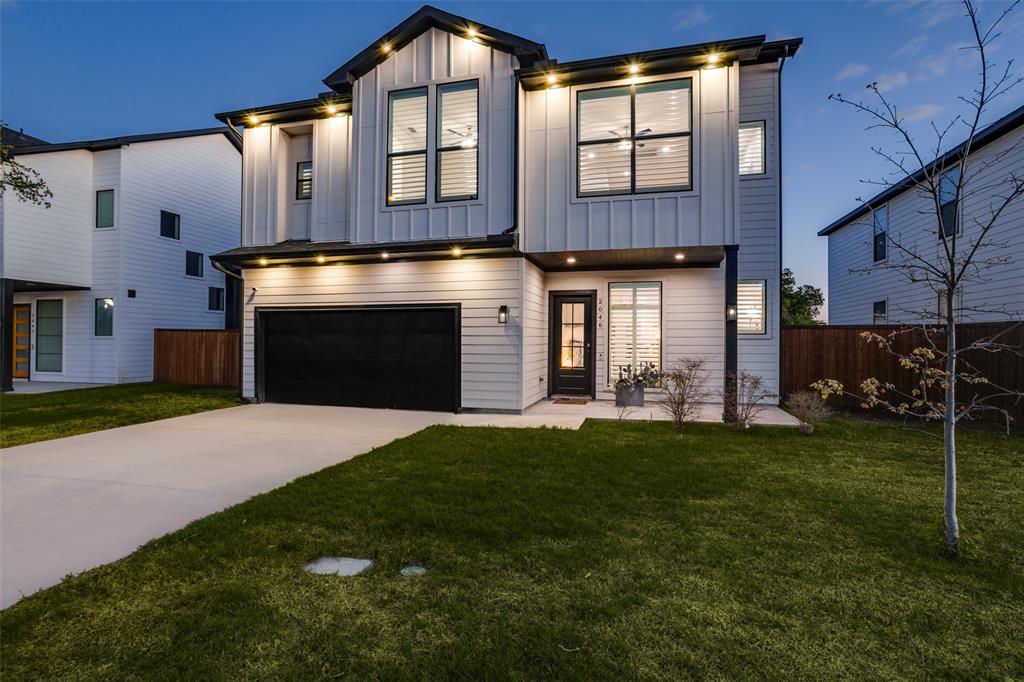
(572, 343)
(21, 332)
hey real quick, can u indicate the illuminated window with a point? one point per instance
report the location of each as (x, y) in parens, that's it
(304, 180)
(458, 137)
(634, 325)
(407, 147)
(750, 307)
(573, 333)
(751, 144)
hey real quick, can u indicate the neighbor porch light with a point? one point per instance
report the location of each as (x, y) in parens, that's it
(385, 255)
(262, 261)
(502, 314)
(456, 251)
(321, 260)
(680, 256)
(571, 260)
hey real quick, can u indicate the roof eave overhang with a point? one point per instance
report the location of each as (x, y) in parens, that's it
(289, 112)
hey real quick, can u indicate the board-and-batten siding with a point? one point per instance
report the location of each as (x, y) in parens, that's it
(758, 257)
(491, 357)
(553, 218)
(851, 295)
(433, 57)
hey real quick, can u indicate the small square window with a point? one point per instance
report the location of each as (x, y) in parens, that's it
(105, 208)
(878, 313)
(216, 298)
(193, 264)
(170, 225)
(104, 318)
(304, 180)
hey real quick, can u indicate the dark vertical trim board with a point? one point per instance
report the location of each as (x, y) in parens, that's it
(731, 331)
(6, 334)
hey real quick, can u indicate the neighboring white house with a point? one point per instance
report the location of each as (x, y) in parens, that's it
(862, 291)
(123, 250)
(463, 223)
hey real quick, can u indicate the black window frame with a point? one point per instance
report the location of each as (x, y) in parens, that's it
(96, 319)
(112, 221)
(438, 149)
(199, 261)
(425, 152)
(301, 183)
(764, 146)
(215, 299)
(633, 140)
(879, 237)
(177, 225)
(884, 312)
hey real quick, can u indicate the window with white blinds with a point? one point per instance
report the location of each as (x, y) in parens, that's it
(633, 139)
(634, 325)
(751, 146)
(407, 147)
(458, 133)
(750, 307)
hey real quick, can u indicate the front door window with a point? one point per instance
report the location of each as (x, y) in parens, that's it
(572, 343)
(572, 335)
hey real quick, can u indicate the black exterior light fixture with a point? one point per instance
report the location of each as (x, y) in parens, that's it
(502, 314)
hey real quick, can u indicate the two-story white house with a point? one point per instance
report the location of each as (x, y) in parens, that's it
(464, 223)
(863, 286)
(122, 250)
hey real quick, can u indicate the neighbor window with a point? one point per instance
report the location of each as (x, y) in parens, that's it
(170, 225)
(104, 317)
(634, 326)
(880, 223)
(105, 208)
(193, 264)
(304, 180)
(751, 145)
(49, 335)
(633, 139)
(750, 307)
(216, 298)
(407, 147)
(458, 136)
(948, 201)
(878, 313)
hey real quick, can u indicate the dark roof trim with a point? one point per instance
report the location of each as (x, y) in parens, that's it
(116, 142)
(526, 51)
(287, 112)
(1006, 124)
(18, 138)
(748, 50)
(302, 251)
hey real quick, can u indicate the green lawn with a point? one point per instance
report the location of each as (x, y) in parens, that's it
(619, 551)
(35, 417)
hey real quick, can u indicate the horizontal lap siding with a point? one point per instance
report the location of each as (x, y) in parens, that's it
(491, 352)
(535, 335)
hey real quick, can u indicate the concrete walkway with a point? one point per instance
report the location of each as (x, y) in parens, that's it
(75, 503)
(22, 387)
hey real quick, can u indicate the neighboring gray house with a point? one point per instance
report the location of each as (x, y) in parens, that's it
(122, 250)
(463, 223)
(861, 291)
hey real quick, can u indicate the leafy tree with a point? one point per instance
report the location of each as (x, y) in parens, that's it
(25, 182)
(800, 304)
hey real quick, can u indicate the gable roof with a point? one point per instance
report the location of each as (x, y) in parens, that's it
(425, 18)
(18, 138)
(1006, 124)
(115, 142)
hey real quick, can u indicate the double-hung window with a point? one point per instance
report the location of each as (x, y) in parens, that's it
(751, 148)
(633, 139)
(458, 134)
(880, 228)
(948, 201)
(750, 307)
(407, 147)
(634, 326)
(304, 180)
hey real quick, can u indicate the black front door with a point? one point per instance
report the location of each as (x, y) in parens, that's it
(572, 343)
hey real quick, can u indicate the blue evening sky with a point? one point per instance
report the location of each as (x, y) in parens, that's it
(90, 70)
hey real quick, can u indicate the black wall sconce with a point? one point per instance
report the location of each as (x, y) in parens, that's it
(502, 314)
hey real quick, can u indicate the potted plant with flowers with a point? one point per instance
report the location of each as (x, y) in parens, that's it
(629, 388)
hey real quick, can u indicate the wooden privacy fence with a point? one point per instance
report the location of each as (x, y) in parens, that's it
(208, 357)
(838, 352)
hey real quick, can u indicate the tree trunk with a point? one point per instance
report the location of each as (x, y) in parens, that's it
(949, 435)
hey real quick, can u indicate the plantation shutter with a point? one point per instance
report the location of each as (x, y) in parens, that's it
(458, 137)
(634, 326)
(407, 147)
(752, 148)
(750, 306)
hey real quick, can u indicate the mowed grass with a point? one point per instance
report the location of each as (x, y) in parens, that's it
(30, 418)
(621, 551)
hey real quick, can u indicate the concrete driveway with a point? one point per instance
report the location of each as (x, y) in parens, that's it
(71, 504)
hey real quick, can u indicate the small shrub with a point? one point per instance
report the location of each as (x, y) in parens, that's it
(685, 387)
(748, 403)
(809, 408)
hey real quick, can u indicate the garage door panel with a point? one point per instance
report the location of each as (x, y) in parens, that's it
(403, 358)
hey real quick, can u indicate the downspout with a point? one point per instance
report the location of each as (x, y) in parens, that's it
(778, 178)
(514, 228)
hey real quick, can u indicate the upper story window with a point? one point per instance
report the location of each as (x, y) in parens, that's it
(304, 180)
(880, 230)
(750, 307)
(879, 315)
(633, 139)
(170, 225)
(948, 201)
(193, 264)
(105, 208)
(215, 298)
(407, 147)
(751, 147)
(458, 134)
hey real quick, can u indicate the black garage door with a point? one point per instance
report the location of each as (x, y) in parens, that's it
(402, 358)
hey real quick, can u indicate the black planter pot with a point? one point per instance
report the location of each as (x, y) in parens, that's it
(629, 396)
